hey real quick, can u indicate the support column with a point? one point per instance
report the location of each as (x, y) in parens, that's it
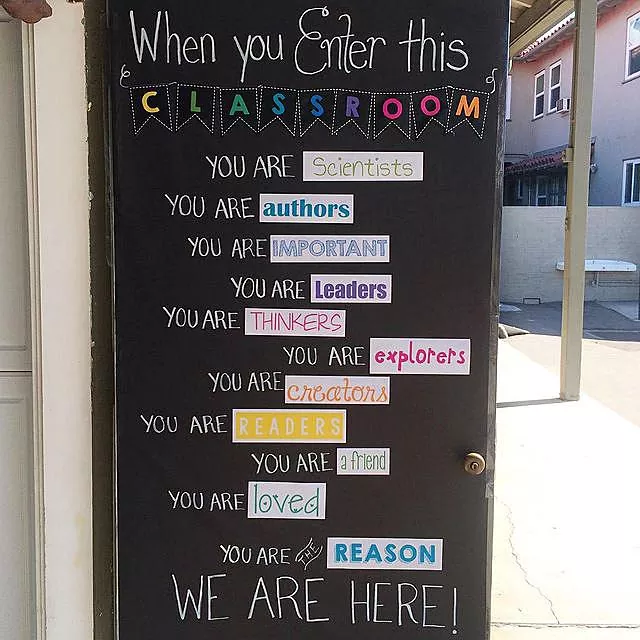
(579, 161)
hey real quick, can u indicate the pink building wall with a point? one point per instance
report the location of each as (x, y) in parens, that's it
(616, 109)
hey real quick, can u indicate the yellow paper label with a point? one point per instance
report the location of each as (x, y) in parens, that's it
(283, 425)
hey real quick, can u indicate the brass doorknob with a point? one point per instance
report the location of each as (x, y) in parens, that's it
(474, 464)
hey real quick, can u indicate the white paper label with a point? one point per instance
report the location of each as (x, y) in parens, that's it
(420, 356)
(362, 166)
(336, 390)
(363, 462)
(356, 288)
(295, 322)
(287, 500)
(384, 553)
(316, 208)
(322, 248)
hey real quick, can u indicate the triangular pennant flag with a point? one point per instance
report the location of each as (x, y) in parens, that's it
(278, 105)
(353, 108)
(239, 105)
(195, 102)
(430, 107)
(316, 107)
(150, 103)
(392, 110)
(470, 107)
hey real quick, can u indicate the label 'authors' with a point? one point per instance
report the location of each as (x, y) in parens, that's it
(318, 209)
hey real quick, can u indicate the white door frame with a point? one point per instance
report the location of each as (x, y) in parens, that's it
(58, 220)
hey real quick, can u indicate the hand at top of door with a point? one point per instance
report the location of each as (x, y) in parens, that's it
(30, 11)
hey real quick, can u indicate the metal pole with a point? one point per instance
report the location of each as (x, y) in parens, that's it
(579, 162)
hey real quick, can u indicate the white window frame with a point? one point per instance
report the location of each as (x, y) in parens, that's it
(625, 164)
(508, 99)
(538, 94)
(552, 108)
(627, 59)
(519, 189)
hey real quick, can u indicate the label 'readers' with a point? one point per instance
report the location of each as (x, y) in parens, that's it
(289, 426)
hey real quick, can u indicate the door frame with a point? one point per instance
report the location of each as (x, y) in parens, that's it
(58, 206)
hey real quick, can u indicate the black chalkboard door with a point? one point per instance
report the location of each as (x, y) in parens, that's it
(305, 222)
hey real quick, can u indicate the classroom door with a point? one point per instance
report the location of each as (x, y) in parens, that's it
(305, 219)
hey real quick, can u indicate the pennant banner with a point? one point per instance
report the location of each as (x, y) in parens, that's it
(239, 107)
(392, 110)
(468, 107)
(430, 109)
(297, 111)
(353, 109)
(278, 105)
(196, 102)
(150, 103)
(316, 108)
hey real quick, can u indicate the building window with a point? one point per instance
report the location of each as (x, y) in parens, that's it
(550, 190)
(631, 182)
(538, 95)
(519, 189)
(508, 99)
(633, 47)
(542, 184)
(554, 86)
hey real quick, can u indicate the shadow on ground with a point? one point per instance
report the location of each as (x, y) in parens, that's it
(610, 355)
(600, 323)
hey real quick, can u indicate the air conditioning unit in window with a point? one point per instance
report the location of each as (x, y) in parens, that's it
(563, 105)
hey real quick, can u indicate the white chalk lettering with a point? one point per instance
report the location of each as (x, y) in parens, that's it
(301, 355)
(224, 382)
(192, 600)
(190, 49)
(285, 588)
(347, 356)
(203, 319)
(257, 47)
(208, 424)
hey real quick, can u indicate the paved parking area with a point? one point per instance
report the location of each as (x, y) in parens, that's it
(600, 321)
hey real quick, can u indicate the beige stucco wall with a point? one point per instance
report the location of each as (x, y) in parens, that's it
(533, 242)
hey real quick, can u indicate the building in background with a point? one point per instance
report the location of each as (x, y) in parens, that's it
(538, 116)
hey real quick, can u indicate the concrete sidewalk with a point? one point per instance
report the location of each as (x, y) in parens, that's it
(567, 518)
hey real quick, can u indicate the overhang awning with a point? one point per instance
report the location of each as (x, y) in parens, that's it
(553, 160)
(532, 18)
